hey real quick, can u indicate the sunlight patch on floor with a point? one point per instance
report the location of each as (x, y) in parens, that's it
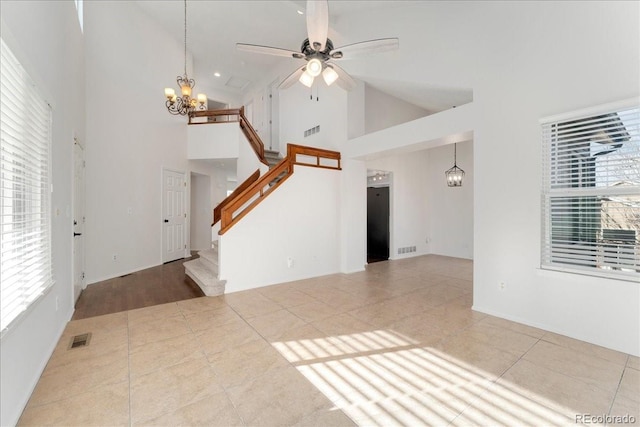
(383, 378)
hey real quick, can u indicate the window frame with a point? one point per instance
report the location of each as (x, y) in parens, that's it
(44, 170)
(548, 193)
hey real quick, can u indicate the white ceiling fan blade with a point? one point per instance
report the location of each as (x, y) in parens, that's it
(317, 23)
(267, 50)
(292, 78)
(345, 81)
(365, 48)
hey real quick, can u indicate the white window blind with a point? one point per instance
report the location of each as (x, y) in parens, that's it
(25, 215)
(591, 192)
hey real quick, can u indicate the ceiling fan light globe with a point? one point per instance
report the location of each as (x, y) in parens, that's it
(329, 75)
(314, 67)
(306, 79)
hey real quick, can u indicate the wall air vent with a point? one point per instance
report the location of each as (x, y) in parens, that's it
(312, 131)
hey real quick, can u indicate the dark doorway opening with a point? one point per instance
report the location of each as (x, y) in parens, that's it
(377, 224)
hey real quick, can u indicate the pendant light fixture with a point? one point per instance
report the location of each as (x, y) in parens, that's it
(455, 174)
(184, 104)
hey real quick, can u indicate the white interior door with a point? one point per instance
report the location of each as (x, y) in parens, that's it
(78, 219)
(174, 243)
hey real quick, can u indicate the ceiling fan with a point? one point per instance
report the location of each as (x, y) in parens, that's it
(318, 51)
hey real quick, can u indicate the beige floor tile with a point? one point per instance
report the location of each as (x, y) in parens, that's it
(502, 406)
(418, 328)
(627, 409)
(100, 343)
(99, 325)
(241, 363)
(279, 397)
(198, 305)
(449, 320)
(165, 391)
(326, 417)
(585, 347)
(251, 303)
(478, 358)
(634, 362)
(286, 296)
(226, 336)
(382, 314)
(77, 377)
(437, 294)
(162, 311)
(518, 327)
(274, 325)
(630, 385)
(314, 310)
(500, 338)
(100, 406)
(162, 354)
(561, 393)
(142, 333)
(578, 364)
(342, 324)
(214, 410)
(211, 319)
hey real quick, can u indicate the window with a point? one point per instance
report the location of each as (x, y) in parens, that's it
(25, 214)
(591, 191)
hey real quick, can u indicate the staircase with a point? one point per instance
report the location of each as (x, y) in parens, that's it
(204, 271)
(251, 192)
(273, 157)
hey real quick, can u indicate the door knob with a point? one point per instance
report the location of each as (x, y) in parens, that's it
(77, 234)
(166, 220)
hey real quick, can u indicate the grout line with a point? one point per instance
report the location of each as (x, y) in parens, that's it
(615, 395)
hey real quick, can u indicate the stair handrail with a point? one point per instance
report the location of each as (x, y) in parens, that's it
(257, 188)
(217, 211)
(249, 132)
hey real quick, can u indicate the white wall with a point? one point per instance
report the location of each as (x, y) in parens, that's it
(537, 59)
(46, 38)
(200, 224)
(214, 141)
(299, 220)
(450, 209)
(353, 208)
(130, 136)
(298, 113)
(383, 110)
(248, 161)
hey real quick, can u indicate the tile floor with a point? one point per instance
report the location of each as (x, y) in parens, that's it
(395, 345)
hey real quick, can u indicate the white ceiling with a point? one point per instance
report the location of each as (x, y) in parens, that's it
(214, 28)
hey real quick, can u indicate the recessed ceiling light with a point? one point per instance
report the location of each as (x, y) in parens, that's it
(217, 74)
(300, 12)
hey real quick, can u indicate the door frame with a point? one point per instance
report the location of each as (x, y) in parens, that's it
(186, 202)
(83, 283)
(386, 183)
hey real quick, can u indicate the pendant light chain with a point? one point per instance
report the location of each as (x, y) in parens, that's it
(185, 37)
(185, 103)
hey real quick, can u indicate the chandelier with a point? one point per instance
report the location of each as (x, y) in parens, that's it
(184, 104)
(455, 174)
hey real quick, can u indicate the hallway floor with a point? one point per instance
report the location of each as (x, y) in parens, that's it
(152, 286)
(395, 345)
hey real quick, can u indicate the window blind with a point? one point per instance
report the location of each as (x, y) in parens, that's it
(25, 214)
(591, 192)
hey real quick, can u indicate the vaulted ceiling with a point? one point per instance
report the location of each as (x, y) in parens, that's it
(214, 28)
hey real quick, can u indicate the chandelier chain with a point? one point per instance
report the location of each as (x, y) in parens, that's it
(185, 37)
